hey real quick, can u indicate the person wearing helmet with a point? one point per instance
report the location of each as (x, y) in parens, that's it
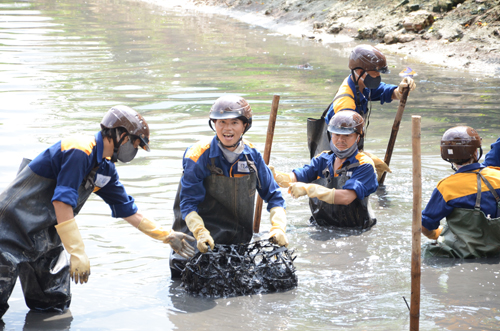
(38, 210)
(469, 200)
(216, 195)
(338, 182)
(364, 84)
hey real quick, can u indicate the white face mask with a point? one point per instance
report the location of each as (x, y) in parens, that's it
(232, 156)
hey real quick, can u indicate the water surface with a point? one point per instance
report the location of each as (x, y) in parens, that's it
(64, 63)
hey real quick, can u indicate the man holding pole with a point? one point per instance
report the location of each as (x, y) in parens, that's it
(359, 89)
(216, 195)
(469, 200)
(340, 180)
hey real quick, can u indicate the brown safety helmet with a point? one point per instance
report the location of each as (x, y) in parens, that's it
(127, 118)
(346, 122)
(459, 144)
(368, 58)
(231, 106)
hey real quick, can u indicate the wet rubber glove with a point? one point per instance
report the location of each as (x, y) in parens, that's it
(176, 240)
(202, 235)
(313, 191)
(380, 166)
(277, 231)
(282, 178)
(406, 82)
(432, 234)
(79, 268)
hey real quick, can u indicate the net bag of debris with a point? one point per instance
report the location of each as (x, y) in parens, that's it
(244, 269)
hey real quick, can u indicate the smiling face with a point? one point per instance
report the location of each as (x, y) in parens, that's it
(229, 131)
(344, 141)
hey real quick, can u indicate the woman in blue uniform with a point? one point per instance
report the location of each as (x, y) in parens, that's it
(341, 179)
(38, 209)
(216, 196)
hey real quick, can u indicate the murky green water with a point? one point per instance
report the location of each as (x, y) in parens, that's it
(64, 63)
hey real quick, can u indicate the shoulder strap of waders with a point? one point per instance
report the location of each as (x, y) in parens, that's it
(213, 168)
(480, 177)
(336, 98)
(490, 187)
(326, 110)
(346, 168)
(90, 179)
(253, 168)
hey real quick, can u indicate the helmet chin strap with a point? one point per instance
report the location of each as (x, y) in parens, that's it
(117, 145)
(225, 146)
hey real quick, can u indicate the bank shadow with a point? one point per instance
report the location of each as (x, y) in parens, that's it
(54, 321)
(184, 302)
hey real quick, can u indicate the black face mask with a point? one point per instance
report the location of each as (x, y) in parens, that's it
(372, 83)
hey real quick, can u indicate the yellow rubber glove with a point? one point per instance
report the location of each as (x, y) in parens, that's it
(406, 82)
(176, 240)
(277, 231)
(380, 166)
(282, 178)
(313, 191)
(197, 227)
(432, 234)
(79, 268)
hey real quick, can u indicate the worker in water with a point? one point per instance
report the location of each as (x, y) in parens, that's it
(468, 199)
(338, 182)
(216, 196)
(38, 209)
(362, 86)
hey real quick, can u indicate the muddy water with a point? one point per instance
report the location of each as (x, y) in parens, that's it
(64, 63)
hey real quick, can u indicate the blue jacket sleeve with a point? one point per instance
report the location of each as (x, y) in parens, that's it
(493, 156)
(74, 166)
(114, 193)
(192, 188)
(313, 170)
(363, 181)
(383, 92)
(270, 192)
(435, 211)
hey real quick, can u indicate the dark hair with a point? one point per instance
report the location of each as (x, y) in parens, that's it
(111, 133)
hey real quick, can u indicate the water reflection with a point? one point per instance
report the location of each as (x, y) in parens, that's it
(64, 63)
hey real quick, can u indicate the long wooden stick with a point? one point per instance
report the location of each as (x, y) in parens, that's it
(394, 132)
(267, 156)
(416, 225)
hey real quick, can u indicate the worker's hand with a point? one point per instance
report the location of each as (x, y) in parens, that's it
(177, 240)
(79, 269)
(313, 191)
(277, 232)
(282, 178)
(297, 189)
(406, 82)
(202, 235)
(432, 234)
(380, 166)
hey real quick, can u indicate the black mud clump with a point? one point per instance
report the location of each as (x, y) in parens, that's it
(245, 269)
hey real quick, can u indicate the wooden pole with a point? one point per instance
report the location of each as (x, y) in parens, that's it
(267, 156)
(394, 132)
(416, 224)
